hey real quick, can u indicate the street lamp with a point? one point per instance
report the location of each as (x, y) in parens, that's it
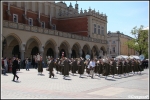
(4, 44)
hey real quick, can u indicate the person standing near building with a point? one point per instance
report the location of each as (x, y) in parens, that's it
(27, 64)
(39, 60)
(19, 64)
(36, 62)
(6, 65)
(14, 68)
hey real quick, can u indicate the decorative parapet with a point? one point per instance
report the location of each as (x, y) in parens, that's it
(72, 36)
(15, 25)
(34, 28)
(65, 34)
(26, 27)
(21, 26)
(46, 31)
(5, 24)
(40, 30)
(11, 24)
(60, 33)
(82, 13)
(56, 32)
(51, 32)
(69, 35)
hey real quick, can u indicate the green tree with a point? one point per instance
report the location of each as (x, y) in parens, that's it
(140, 41)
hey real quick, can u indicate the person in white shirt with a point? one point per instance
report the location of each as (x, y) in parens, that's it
(91, 66)
(5, 65)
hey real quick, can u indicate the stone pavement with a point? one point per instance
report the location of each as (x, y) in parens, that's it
(34, 86)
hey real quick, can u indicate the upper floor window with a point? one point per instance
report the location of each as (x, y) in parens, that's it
(15, 18)
(113, 42)
(30, 21)
(94, 28)
(102, 30)
(113, 49)
(98, 29)
(107, 49)
(43, 24)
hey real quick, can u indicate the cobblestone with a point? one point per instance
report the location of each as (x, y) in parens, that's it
(33, 86)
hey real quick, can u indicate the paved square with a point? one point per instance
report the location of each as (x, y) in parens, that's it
(31, 85)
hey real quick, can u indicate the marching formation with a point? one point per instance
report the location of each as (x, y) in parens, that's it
(64, 66)
(99, 67)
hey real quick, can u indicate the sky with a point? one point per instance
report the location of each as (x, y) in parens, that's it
(122, 16)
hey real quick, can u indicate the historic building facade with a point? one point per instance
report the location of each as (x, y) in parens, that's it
(117, 45)
(52, 28)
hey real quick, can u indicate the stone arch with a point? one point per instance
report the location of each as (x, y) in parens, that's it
(35, 38)
(67, 44)
(86, 49)
(95, 52)
(31, 43)
(102, 51)
(52, 41)
(15, 36)
(64, 47)
(13, 41)
(75, 50)
(49, 48)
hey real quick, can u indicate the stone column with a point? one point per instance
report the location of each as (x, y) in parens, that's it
(57, 52)
(22, 51)
(70, 53)
(41, 51)
(22, 55)
(80, 52)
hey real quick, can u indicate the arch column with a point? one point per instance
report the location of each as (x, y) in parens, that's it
(70, 51)
(80, 52)
(22, 51)
(57, 52)
(41, 51)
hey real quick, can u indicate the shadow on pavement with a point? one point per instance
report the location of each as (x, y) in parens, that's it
(117, 78)
(41, 74)
(110, 79)
(16, 81)
(54, 78)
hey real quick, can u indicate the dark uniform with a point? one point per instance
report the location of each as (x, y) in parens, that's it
(51, 66)
(14, 69)
(100, 68)
(120, 67)
(113, 68)
(81, 67)
(66, 68)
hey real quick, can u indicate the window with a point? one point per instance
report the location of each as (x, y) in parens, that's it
(15, 18)
(113, 42)
(107, 49)
(30, 21)
(43, 24)
(102, 30)
(94, 28)
(113, 49)
(98, 29)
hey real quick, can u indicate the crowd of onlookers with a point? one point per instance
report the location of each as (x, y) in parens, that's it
(27, 63)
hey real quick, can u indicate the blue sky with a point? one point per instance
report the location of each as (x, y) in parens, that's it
(122, 15)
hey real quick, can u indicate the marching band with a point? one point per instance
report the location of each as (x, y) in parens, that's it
(103, 66)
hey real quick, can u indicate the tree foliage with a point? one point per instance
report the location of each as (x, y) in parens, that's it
(140, 42)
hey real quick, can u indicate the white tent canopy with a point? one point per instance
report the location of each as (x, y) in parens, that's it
(134, 57)
(122, 57)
